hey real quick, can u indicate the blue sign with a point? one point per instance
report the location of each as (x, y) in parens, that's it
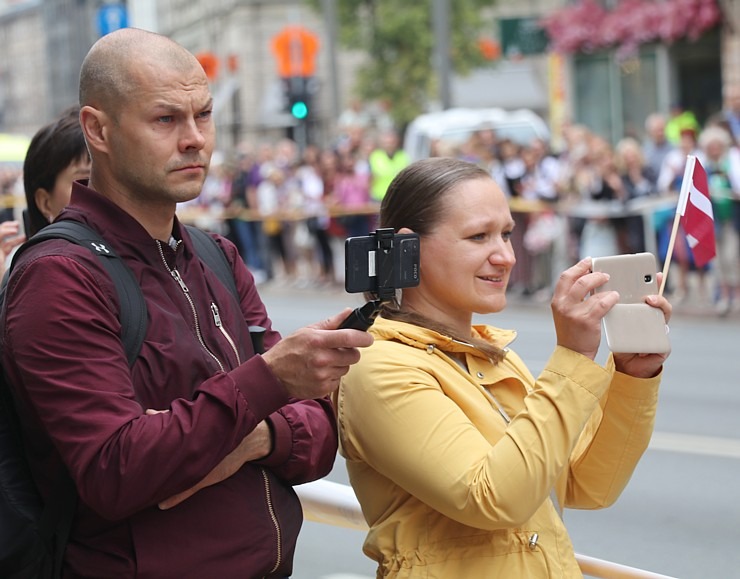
(111, 17)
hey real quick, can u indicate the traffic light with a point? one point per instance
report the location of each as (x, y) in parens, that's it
(299, 109)
(297, 92)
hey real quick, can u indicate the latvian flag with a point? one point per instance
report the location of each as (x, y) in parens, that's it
(695, 208)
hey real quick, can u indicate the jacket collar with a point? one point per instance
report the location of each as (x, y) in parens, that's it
(127, 236)
(423, 338)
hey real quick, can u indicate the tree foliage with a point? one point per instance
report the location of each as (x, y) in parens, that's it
(398, 40)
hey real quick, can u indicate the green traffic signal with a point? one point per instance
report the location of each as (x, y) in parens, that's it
(299, 110)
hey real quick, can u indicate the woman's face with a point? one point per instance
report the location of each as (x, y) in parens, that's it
(51, 203)
(466, 260)
(631, 157)
(688, 144)
(715, 149)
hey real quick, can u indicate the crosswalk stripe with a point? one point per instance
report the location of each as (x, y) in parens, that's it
(695, 444)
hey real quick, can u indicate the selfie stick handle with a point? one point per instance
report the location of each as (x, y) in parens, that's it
(363, 317)
(257, 334)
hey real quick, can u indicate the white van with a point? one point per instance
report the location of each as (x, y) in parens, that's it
(454, 126)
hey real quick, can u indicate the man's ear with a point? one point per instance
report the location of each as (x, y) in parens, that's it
(94, 126)
(405, 230)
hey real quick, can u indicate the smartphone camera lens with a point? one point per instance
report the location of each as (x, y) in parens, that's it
(648, 278)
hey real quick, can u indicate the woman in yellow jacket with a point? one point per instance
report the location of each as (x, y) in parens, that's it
(460, 458)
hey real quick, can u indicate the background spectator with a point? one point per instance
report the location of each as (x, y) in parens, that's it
(56, 157)
(385, 163)
(722, 172)
(655, 146)
(636, 181)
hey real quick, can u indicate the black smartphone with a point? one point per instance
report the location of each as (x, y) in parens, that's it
(27, 223)
(381, 262)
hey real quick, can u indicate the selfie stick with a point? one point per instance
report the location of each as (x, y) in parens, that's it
(363, 317)
(680, 210)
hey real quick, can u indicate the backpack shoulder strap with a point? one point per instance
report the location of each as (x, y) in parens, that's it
(210, 252)
(57, 514)
(133, 314)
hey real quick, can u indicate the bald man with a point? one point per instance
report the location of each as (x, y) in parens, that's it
(184, 463)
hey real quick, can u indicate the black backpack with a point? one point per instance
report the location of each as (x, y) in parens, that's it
(33, 535)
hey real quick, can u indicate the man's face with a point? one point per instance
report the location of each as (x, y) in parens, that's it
(657, 132)
(163, 137)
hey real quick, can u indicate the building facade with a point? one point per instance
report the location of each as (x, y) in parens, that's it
(46, 40)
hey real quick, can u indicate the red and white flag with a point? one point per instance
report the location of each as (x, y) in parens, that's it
(695, 209)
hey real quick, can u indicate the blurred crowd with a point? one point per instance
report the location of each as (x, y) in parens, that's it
(590, 198)
(595, 199)
(289, 209)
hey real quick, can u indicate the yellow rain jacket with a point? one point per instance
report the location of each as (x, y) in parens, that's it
(448, 486)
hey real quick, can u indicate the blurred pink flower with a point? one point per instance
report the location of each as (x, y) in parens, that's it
(585, 26)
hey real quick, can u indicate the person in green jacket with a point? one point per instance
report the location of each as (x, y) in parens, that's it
(461, 459)
(680, 119)
(385, 163)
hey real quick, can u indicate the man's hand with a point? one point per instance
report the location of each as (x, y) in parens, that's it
(257, 444)
(311, 361)
(577, 319)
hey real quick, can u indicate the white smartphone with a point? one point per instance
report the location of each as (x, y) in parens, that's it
(632, 326)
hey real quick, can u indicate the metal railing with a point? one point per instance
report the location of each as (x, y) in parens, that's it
(335, 504)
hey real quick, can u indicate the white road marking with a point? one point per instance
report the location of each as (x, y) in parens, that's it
(695, 444)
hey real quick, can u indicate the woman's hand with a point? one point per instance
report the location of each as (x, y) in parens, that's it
(10, 237)
(646, 365)
(577, 319)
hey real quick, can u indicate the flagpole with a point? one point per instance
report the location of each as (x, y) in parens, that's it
(680, 209)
